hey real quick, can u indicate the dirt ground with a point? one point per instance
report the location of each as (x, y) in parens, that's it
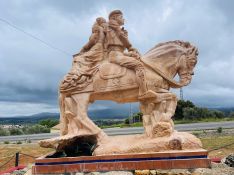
(9, 150)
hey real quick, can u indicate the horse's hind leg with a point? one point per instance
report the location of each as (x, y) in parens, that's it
(84, 125)
(63, 118)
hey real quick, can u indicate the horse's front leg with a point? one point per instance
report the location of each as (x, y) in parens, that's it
(157, 114)
(147, 118)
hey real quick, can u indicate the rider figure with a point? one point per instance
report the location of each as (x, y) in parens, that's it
(116, 43)
(85, 63)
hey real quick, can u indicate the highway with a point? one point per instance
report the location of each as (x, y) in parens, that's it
(125, 131)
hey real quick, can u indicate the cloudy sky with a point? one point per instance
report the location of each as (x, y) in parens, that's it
(30, 70)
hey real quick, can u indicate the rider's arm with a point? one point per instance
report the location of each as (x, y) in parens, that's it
(123, 36)
(91, 42)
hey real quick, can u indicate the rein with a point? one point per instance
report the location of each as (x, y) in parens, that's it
(172, 82)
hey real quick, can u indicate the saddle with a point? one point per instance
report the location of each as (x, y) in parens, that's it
(110, 70)
(113, 77)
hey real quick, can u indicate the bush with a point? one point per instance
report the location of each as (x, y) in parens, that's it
(16, 131)
(4, 132)
(190, 113)
(218, 114)
(126, 121)
(6, 142)
(18, 142)
(196, 133)
(137, 117)
(187, 110)
(220, 130)
(36, 129)
(49, 123)
(231, 115)
(179, 109)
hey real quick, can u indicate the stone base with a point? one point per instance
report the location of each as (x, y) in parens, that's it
(140, 143)
(127, 144)
(184, 159)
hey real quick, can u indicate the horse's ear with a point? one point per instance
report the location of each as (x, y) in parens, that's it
(196, 51)
(193, 51)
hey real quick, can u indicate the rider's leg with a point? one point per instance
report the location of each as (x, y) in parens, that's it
(133, 64)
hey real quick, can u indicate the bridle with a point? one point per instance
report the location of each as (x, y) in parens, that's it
(171, 82)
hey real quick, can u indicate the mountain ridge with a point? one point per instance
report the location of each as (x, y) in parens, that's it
(93, 114)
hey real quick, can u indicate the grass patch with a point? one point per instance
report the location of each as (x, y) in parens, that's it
(6, 151)
(203, 120)
(216, 142)
(122, 125)
(140, 124)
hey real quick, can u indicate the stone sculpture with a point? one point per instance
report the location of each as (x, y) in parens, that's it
(109, 68)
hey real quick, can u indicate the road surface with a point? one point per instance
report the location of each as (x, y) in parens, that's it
(125, 131)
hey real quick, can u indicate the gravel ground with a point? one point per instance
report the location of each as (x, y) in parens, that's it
(212, 133)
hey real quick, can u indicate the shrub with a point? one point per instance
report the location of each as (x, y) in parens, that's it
(220, 130)
(4, 132)
(179, 108)
(6, 142)
(126, 121)
(49, 123)
(196, 133)
(18, 142)
(16, 131)
(36, 129)
(190, 113)
(231, 115)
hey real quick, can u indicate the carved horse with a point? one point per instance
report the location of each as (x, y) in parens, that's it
(112, 82)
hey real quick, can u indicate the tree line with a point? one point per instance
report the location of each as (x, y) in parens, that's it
(42, 127)
(188, 111)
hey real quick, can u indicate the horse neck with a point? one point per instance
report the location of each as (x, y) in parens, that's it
(168, 65)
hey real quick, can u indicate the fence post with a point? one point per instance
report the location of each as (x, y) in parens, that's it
(16, 159)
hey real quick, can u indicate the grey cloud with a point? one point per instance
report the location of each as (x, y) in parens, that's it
(30, 71)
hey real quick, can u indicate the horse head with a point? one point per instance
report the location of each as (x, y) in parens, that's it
(171, 58)
(187, 62)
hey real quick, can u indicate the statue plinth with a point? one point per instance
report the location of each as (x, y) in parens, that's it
(161, 160)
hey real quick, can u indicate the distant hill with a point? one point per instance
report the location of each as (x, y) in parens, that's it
(32, 119)
(93, 114)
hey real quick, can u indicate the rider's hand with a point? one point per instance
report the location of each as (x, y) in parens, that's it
(134, 52)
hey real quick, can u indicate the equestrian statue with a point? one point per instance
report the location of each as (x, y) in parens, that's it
(108, 67)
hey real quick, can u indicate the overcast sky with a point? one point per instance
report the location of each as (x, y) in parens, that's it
(30, 71)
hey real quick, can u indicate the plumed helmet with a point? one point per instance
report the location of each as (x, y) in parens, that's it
(115, 12)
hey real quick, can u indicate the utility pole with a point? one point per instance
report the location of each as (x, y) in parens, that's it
(130, 113)
(181, 94)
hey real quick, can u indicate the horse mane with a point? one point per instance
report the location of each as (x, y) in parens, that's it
(170, 48)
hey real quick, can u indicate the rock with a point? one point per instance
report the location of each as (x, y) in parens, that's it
(230, 160)
(142, 172)
(216, 169)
